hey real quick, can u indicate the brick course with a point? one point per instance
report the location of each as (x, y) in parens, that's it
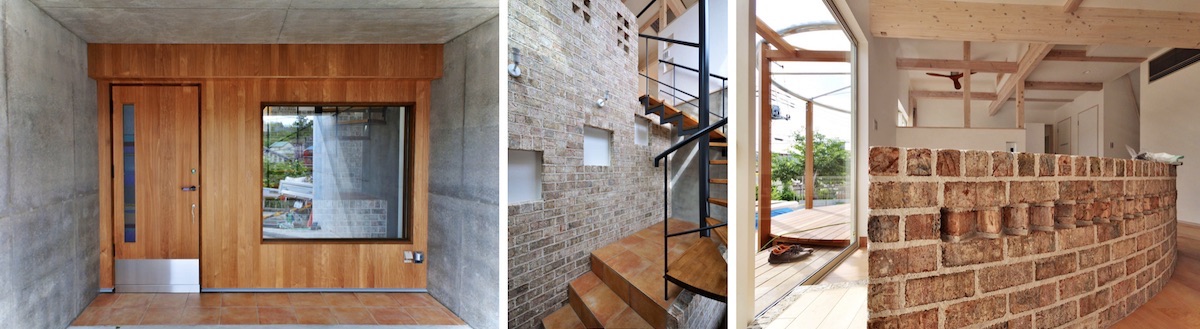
(1017, 240)
(583, 208)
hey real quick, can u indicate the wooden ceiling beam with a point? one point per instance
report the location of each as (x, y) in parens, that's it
(1071, 6)
(1032, 23)
(800, 55)
(771, 36)
(649, 23)
(1045, 100)
(1082, 56)
(955, 65)
(1064, 86)
(937, 94)
(1029, 61)
(676, 6)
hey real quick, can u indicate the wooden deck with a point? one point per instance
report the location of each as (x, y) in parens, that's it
(832, 236)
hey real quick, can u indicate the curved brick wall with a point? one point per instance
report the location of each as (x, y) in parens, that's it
(1017, 240)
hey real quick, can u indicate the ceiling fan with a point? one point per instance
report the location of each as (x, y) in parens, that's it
(954, 76)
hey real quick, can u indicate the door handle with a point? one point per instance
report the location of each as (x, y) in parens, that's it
(189, 188)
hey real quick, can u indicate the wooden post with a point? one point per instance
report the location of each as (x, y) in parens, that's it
(1020, 106)
(764, 153)
(966, 85)
(810, 182)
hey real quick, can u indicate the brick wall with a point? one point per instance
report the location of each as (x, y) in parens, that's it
(571, 53)
(1015, 240)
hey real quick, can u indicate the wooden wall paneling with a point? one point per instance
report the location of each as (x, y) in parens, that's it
(234, 255)
(105, 172)
(406, 61)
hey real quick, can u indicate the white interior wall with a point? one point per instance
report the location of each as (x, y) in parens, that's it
(685, 27)
(1120, 118)
(1035, 134)
(1168, 124)
(949, 113)
(986, 139)
(878, 93)
(1071, 111)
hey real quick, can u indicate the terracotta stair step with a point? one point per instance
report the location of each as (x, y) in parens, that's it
(719, 202)
(689, 122)
(718, 162)
(598, 306)
(718, 181)
(702, 270)
(722, 233)
(633, 268)
(563, 318)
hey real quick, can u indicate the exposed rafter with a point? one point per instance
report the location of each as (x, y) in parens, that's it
(1034, 23)
(1029, 61)
(676, 7)
(771, 36)
(800, 55)
(1082, 56)
(1071, 6)
(950, 64)
(937, 94)
(1064, 86)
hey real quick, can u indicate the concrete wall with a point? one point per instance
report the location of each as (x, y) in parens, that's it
(1168, 124)
(567, 63)
(464, 179)
(49, 206)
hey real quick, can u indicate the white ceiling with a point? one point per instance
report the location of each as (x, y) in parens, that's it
(269, 21)
(1053, 71)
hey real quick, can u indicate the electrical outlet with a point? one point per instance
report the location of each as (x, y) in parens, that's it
(408, 256)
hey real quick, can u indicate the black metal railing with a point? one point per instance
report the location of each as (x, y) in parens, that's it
(700, 134)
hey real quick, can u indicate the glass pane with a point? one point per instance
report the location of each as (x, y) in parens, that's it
(127, 129)
(334, 172)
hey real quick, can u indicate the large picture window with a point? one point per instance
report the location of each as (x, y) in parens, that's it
(335, 172)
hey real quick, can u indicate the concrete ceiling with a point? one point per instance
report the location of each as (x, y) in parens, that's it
(1054, 71)
(269, 21)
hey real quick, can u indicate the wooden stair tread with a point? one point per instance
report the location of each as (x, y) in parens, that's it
(689, 122)
(722, 233)
(701, 268)
(718, 162)
(720, 202)
(718, 144)
(563, 318)
(718, 181)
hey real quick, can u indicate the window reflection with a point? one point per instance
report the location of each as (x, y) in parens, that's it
(334, 172)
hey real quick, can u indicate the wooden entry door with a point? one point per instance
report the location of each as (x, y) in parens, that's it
(156, 162)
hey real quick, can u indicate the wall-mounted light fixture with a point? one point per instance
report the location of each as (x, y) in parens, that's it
(600, 102)
(514, 69)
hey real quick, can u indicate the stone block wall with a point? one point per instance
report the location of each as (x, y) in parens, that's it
(1015, 240)
(572, 52)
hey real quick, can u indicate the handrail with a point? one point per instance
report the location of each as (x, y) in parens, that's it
(693, 137)
(685, 43)
(706, 228)
(639, 15)
(692, 69)
(668, 86)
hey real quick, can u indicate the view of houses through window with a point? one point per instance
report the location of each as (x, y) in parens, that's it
(334, 172)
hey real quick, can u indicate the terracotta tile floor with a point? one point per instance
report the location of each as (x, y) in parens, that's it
(266, 308)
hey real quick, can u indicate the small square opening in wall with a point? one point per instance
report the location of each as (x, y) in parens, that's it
(597, 146)
(524, 176)
(641, 132)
